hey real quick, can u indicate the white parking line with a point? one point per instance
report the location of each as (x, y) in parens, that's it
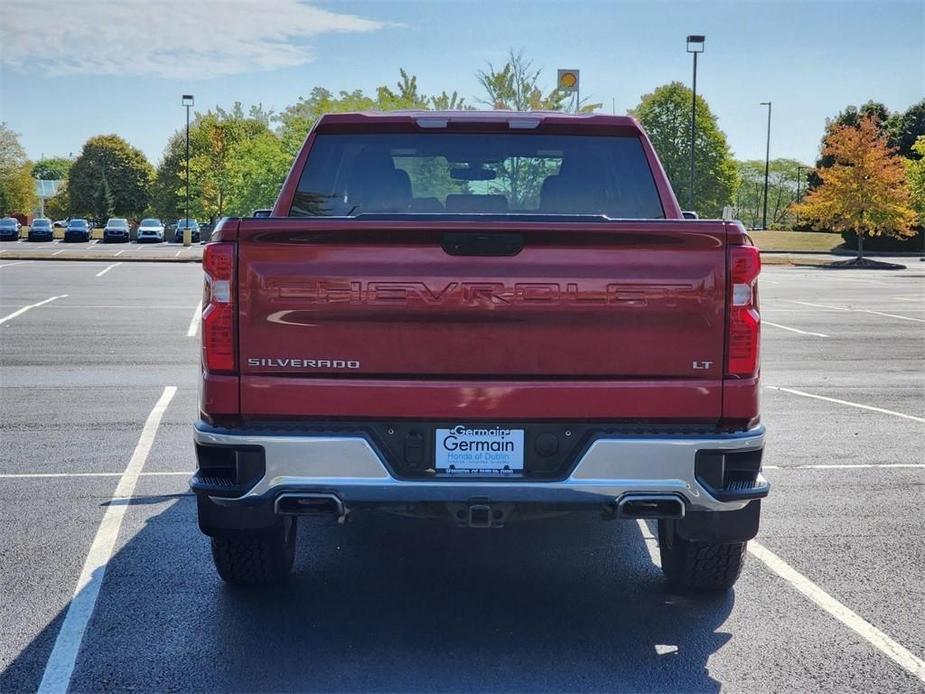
(891, 315)
(177, 254)
(900, 655)
(60, 666)
(194, 322)
(793, 330)
(828, 306)
(844, 466)
(848, 403)
(59, 252)
(11, 264)
(106, 269)
(51, 475)
(651, 542)
(30, 306)
(855, 310)
(121, 252)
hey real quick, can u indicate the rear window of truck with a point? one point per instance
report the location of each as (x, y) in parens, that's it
(347, 175)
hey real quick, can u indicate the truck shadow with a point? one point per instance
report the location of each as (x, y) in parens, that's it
(393, 604)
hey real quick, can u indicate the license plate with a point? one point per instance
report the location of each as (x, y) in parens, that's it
(470, 449)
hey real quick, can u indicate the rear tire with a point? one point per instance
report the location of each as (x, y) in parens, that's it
(256, 557)
(700, 566)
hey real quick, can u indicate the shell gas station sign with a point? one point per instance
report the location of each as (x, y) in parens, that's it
(568, 81)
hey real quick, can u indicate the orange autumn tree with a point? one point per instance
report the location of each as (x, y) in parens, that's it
(864, 191)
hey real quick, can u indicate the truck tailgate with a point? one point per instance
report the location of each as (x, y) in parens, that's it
(343, 312)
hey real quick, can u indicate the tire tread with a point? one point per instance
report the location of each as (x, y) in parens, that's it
(702, 566)
(254, 559)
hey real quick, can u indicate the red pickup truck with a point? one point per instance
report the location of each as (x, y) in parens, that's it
(484, 316)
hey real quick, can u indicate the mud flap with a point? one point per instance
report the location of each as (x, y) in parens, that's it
(720, 527)
(216, 520)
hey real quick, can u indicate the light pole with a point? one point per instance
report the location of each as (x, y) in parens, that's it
(767, 164)
(187, 101)
(694, 46)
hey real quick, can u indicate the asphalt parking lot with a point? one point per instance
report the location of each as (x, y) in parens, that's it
(830, 601)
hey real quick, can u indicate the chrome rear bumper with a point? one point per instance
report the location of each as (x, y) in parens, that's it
(610, 468)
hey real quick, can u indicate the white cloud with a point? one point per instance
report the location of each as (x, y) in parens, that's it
(182, 39)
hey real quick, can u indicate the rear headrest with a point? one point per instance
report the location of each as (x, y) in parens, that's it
(426, 205)
(373, 160)
(460, 202)
(375, 185)
(402, 185)
(579, 187)
(573, 194)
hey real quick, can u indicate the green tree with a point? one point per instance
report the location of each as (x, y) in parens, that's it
(58, 207)
(103, 201)
(213, 137)
(298, 119)
(782, 191)
(915, 175)
(52, 168)
(127, 172)
(666, 116)
(853, 115)
(17, 188)
(166, 199)
(257, 168)
(906, 129)
(12, 155)
(515, 87)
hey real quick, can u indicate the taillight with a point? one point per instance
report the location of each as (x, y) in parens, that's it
(218, 308)
(744, 323)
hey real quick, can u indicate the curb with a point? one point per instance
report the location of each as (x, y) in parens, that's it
(848, 254)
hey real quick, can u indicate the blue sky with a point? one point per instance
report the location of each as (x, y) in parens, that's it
(119, 66)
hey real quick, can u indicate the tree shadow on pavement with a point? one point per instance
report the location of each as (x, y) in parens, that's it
(393, 604)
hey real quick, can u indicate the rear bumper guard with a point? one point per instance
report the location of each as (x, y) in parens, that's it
(349, 468)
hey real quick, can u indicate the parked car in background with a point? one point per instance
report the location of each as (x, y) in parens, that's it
(116, 229)
(41, 230)
(60, 224)
(9, 229)
(184, 224)
(150, 230)
(205, 231)
(77, 230)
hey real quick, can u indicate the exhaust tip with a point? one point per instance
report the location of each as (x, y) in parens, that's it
(310, 505)
(665, 506)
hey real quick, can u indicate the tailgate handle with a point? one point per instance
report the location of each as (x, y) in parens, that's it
(469, 243)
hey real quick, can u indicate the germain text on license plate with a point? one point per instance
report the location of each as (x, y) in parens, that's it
(484, 448)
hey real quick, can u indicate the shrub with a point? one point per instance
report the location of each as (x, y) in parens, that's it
(885, 243)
